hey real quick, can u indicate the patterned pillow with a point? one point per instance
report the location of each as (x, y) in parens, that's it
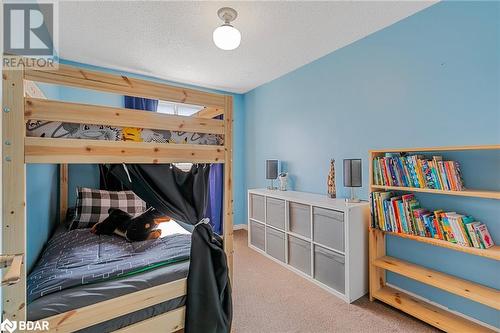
(92, 205)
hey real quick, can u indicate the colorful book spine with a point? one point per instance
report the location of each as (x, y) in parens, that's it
(403, 214)
(435, 160)
(484, 236)
(417, 171)
(413, 173)
(459, 176)
(443, 175)
(447, 168)
(463, 231)
(435, 179)
(471, 228)
(388, 180)
(427, 173)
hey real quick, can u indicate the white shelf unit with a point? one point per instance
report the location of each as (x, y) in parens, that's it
(323, 240)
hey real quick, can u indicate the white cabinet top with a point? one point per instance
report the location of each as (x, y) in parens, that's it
(313, 199)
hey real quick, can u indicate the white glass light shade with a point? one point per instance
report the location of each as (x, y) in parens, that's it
(227, 37)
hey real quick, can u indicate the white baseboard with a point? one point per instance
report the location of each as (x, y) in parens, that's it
(240, 227)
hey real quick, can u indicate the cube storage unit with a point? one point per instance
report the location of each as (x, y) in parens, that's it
(299, 254)
(328, 226)
(324, 240)
(299, 219)
(275, 213)
(258, 235)
(275, 243)
(256, 210)
(329, 268)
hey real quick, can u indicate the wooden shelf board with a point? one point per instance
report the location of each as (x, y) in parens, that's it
(467, 193)
(491, 253)
(427, 312)
(464, 288)
(443, 148)
(54, 150)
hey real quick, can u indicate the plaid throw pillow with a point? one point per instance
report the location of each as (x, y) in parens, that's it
(92, 205)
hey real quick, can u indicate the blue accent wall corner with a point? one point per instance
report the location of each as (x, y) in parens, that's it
(431, 79)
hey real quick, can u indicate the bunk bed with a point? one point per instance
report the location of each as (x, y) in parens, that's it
(22, 102)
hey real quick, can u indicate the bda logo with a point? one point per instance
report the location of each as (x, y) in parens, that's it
(8, 325)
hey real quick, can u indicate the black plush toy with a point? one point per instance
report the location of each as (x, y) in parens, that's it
(134, 229)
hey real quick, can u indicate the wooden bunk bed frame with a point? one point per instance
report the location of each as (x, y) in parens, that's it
(19, 105)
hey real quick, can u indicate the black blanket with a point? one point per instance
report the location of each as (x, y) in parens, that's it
(208, 304)
(183, 196)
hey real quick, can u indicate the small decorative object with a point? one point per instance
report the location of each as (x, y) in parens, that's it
(283, 177)
(332, 193)
(352, 176)
(272, 172)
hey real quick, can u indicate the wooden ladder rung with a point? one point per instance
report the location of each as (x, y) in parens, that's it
(464, 288)
(440, 318)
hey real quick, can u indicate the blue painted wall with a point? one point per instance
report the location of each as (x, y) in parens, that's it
(42, 193)
(429, 80)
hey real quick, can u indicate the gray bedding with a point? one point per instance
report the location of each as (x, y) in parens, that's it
(83, 295)
(78, 257)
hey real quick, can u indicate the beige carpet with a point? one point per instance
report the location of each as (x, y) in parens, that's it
(269, 298)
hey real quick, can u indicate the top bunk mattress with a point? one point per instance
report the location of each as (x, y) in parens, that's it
(54, 129)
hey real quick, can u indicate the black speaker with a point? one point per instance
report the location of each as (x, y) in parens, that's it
(352, 172)
(272, 169)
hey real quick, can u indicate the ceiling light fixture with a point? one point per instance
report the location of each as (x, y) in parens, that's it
(227, 37)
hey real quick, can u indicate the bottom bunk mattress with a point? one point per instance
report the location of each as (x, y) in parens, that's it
(156, 272)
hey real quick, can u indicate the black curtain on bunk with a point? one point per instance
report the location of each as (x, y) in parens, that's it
(184, 196)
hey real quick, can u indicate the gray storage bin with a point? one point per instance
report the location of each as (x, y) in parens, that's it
(257, 235)
(257, 210)
(299, 219)
(329, 268)
(275, 243)
(328, 228)
(299, 254)
(275, 209)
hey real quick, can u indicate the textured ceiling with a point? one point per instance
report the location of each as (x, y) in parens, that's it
(173, 40)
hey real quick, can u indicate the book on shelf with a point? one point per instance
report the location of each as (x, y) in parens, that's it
(417, 171)
(403, 214)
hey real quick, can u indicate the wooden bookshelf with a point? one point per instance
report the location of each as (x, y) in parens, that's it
(379, 263)
(491, 253)
(486, 194)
